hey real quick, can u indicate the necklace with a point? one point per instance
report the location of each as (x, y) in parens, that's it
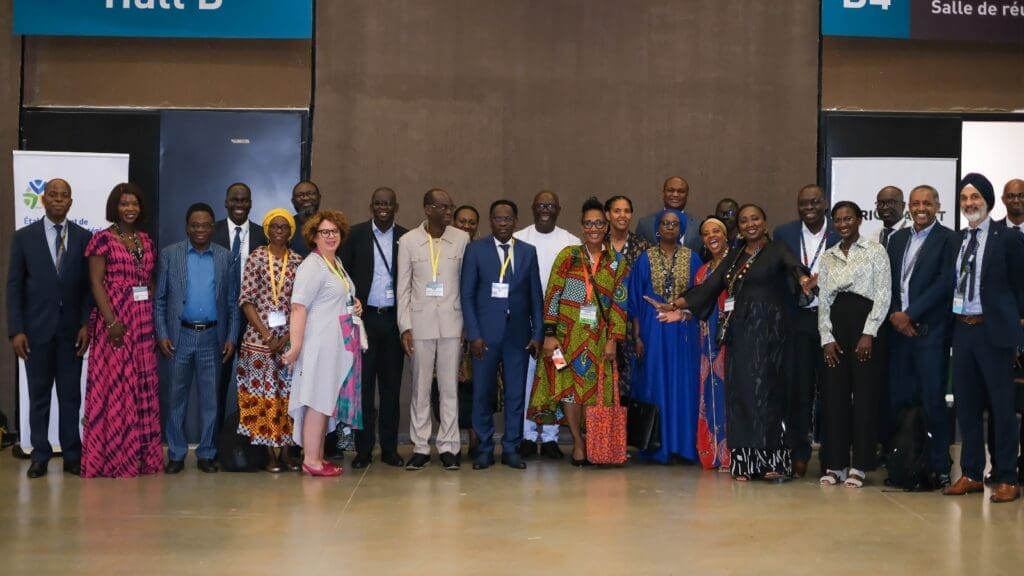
(135, 249)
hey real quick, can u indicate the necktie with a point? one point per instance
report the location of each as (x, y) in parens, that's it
(885, 237)
(58, 249)
(504, 257)
(972, 248)
(236, 244)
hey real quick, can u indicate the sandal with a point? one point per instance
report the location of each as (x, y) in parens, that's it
(855, 479)
(832, 477)
(775, 477)
(741, 478)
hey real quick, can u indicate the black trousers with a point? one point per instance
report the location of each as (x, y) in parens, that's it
(50, 361)
(918, 378)
(804, 382)
(382, 374)
(983, 377)
(850, 398)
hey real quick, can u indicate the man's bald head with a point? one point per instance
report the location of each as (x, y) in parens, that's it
(1013, 199)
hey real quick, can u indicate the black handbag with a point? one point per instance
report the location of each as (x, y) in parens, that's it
(643, 424)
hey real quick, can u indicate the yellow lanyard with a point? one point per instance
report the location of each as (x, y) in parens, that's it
(435, 260)
(336, 269)
(276, 286)
(508, 260)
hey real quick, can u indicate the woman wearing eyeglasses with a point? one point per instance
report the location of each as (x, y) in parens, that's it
(265, 298)
(325, 353)
(667, 355)
(584, 321)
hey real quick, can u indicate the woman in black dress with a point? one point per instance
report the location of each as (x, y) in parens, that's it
(758, 279)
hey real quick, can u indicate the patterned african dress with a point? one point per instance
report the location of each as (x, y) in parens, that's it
(121, 426)
(263, 387)
(712, 447)
(666, 374)
(581, 343)
(625, 354)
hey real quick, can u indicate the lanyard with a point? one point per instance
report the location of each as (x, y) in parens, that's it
(435, 260)
(590, 271)
(337, 270)
(803, 247)
(508, 260)
(967, 263)
(908, 267)
(276, 286)
(387, 265)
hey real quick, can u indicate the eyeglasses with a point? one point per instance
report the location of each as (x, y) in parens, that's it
(726, 214)
(503, 219)
(1014, 197)
(328, 232)
(545, 206)
(670, 224)
(594, 224)
(442, 207)
(280, 227)
(200, 225)
(892, 203)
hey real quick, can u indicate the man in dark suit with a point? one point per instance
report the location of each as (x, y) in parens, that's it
(196, 316)
(807, 238)
(369, 256)
(48, 305)
(502, 307)
(988, 263)
(922, 286)
(306, 200)
(674, 193)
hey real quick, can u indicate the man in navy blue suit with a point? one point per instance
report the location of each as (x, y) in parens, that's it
(922, 287)
(988, 263)
(807, 238)
(48, 306)
(502, 312)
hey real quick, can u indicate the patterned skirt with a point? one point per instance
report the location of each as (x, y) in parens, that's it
(263, 391)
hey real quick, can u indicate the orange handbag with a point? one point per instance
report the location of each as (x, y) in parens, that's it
(606, 425)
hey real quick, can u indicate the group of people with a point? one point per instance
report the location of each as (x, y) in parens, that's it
(731, 333)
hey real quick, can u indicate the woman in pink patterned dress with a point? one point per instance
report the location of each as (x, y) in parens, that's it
(121, 428)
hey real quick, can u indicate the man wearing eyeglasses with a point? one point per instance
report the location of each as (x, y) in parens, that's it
(674, 193)
(549, 239)
(196, 316)
(890, 208)
(430, 322)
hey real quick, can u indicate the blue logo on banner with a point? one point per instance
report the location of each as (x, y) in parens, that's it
(166, 18)
(33, 192)
(877, 18)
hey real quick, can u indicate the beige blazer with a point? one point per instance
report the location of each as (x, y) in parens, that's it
(430, 317)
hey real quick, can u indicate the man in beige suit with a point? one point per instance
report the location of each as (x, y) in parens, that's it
(430, 320)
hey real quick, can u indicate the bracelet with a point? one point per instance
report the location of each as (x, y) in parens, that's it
(110, 325)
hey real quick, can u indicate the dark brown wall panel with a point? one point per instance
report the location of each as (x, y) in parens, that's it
(493, 99)
(159, 72)
(921, 76)
(10, 79)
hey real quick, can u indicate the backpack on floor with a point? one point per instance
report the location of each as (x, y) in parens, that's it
(235, 453)
(907, 461)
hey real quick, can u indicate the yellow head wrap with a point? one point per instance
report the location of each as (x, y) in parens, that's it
(716, 222)
(274, 214)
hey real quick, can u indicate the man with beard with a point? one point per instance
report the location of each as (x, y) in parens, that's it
(674, 193)
(807, 238)
(890, 206)
(548, 239)
(306, 200)
(989, 269)
(369, 256)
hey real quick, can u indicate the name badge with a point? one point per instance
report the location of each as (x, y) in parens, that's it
(140, 293)
(389, 291)
(435, 289)
(499, 290)
(588, 314)
(958, 304)
(276, 319)
(730, 303)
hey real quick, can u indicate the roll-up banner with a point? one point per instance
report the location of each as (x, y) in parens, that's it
(92, 177)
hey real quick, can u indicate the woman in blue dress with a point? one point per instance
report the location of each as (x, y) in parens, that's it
(667, 355)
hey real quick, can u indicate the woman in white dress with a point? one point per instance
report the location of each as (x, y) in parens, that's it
(325, 343)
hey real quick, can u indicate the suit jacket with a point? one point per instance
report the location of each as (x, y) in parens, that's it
(34, 288)
(430, 317)
(790, 233)
(298, 243)
(1001, 283)
(358, 254)
(520, 317)
(931, 281)
(647, 228)
(170, 292)
(256, 236)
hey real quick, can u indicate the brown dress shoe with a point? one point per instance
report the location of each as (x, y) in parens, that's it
(1005, 493)
(963, 486)
(799, 468)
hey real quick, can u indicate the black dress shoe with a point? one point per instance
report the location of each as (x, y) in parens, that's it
(418, 462)
(513, 461)
(449, 461)
(392, 460)
(37, 470)
(74, 468)
(174, 466)
(579, 463)
(207, 465)
(527, 449)
(360, 462)
(551, 451)
(483, 461)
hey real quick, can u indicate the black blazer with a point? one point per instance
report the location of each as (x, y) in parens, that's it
(931, 281)
(256, 236)
(357, 256)
(789, 234)
(34, 289)
(1001, 283)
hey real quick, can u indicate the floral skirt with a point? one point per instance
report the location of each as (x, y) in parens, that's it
(263, 397)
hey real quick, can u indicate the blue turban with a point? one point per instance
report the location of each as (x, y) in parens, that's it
(982, 185)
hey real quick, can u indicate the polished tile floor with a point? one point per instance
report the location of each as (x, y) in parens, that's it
(549, 519)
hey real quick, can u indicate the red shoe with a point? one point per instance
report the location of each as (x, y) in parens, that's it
(326, 469)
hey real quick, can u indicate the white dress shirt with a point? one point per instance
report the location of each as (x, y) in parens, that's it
(243, 251)
(865, 272)
(812, 248)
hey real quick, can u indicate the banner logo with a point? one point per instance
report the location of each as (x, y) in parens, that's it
(33, 192)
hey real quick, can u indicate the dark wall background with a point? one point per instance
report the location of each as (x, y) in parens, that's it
(10, 86)
(494, 99)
